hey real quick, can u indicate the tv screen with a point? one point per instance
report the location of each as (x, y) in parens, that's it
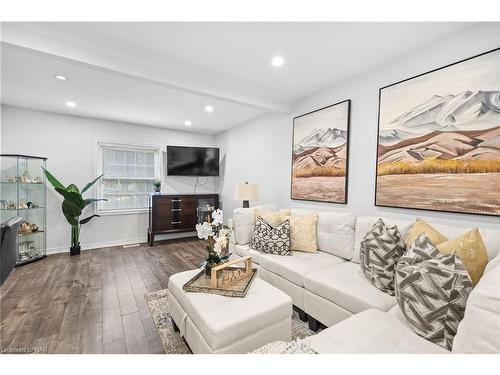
(192, 161)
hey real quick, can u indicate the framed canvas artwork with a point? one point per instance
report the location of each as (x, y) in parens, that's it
(320, 149)
(439, 139)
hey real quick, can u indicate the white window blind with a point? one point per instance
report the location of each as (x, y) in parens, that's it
(129, 173)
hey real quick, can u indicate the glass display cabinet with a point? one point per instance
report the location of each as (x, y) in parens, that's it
(23, 193)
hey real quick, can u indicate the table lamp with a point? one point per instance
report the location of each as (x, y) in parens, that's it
(246, 192)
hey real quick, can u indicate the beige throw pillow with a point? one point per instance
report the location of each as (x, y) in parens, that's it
(303, 232)
(273, 218)
(471, 250)
(419, 227)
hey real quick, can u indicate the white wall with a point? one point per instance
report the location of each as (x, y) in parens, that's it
(70, 144)
(260, 151)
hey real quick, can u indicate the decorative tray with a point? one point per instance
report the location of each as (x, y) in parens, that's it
(225, 280)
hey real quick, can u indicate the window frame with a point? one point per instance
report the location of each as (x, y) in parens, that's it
(124, 146)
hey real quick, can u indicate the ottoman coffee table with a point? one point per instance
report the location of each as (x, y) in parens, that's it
(212, 323)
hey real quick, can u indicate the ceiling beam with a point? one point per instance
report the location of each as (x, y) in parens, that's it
(135, 73)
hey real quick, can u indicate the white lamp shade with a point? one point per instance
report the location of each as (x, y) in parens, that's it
(246, 192)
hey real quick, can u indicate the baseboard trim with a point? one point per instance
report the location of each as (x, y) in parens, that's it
(130, 241)
(98, 245)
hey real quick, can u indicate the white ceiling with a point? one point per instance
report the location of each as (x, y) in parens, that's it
(162, 74)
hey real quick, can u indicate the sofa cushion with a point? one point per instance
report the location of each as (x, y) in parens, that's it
(381, 250)
(246, 250)
(294, 268)
(432, 291)
(479, 330)
(336, 233)
(372, 332)
(345, 285)
(244, 221)
(271, 240)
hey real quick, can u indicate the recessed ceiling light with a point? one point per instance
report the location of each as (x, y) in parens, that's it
(187, 123)
(277, 61)
(61, 77)
(209, 108)
(70, 104)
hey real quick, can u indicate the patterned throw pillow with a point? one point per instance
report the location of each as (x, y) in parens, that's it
(381, 249)
(432, 291)
(271, 240)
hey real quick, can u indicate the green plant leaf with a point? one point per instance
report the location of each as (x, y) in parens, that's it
(72, 196)
(71, 209)
(89, 185)
(87, 219)
(92, 200)
(71, 220)
(73, 188)
(54, 181)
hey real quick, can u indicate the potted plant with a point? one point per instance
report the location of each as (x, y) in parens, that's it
(72, 207)
(218, 236)
(157, 185)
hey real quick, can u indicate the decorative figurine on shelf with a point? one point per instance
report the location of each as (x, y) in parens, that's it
(29, 204)
(11, 205)
(23, 206)
(37, 180)
(25, 229)
(157, 185)
(218, 240)
(26, 178)
(73, 206)
(34, 228)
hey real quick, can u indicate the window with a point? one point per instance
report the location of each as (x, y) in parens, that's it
(129, 173)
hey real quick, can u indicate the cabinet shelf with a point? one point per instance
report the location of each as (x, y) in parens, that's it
(22, 183)
(30, 234)
(22, 209)
(30, 246)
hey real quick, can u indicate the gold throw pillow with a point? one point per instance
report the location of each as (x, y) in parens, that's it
(273, 218)
(471, 250)
(420, 227)
(303, 232)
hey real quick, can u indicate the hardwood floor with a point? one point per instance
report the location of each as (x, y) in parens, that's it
(91, 303)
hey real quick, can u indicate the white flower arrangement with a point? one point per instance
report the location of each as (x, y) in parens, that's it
(218, 237)
(204, 230)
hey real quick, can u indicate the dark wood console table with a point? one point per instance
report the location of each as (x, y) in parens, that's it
(178, 213)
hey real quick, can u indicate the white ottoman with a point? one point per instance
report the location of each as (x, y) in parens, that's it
(216, 324)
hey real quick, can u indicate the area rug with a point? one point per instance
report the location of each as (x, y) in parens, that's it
(174, 344)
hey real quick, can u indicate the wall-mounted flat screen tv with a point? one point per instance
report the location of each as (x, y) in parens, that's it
(192, 161)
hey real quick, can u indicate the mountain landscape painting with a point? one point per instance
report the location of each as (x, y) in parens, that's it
(439, 139)
(319, 154)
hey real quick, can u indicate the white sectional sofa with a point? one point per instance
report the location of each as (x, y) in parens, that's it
(330, 287)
